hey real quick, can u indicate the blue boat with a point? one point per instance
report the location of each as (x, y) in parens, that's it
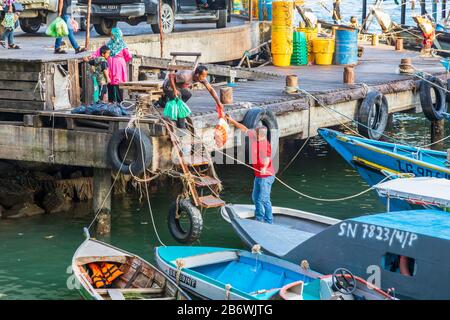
(231, 274)
(404, 250)
(376, 160)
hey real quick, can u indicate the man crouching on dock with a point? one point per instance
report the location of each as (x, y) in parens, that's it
(261, 160)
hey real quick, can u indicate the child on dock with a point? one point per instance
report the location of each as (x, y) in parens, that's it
(99, 69)
(10, 22)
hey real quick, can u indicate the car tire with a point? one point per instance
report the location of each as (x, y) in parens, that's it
(104, 27)
(168, 20)
(83, 26)
(222, 22)
(29, 26)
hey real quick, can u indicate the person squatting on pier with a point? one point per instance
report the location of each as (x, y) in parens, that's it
(261, 160)
(63, 7)
(99, 69)
(179, 84)
(10, 22)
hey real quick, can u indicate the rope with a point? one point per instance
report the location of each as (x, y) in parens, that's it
(227, 291)
(180, 265)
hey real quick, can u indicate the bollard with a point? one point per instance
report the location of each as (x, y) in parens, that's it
(226, 95)
(292, 81)
(291, 84)
(399, 45)
(349, 75)
(375, 40)
(406, 66)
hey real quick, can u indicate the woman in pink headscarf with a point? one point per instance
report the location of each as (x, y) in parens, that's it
(117, 64)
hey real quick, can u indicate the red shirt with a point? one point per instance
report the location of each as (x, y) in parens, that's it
(260, 150)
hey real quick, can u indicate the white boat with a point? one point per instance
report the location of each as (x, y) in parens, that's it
(139, 280)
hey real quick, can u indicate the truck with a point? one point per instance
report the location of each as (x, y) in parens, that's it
(39, 12)
(105, 14)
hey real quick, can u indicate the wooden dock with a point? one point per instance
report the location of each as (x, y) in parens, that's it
(34, 135)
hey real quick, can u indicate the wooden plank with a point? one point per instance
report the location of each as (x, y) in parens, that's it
(87, 84)
(19, 76)
(31, 120)
(75, 92)
(213, 69)
(21, 95)
(26, 105)
(6, 65)
(17, 85)
(49, 87)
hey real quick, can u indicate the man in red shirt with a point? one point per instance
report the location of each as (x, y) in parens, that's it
(261, 161)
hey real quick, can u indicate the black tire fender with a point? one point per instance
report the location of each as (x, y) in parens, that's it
(260, 116)
(433, 111)
(195, 222)
(142, 146)
(373, 115)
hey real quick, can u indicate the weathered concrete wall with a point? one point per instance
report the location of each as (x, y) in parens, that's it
(216, 45)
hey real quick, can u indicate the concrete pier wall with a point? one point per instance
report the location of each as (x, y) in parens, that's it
(239, 40)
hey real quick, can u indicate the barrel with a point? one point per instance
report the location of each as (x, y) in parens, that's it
(346, 47)
(323, 49)
(282, 39)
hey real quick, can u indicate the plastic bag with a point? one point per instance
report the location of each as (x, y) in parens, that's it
(9, 20)
(176, 109)
(74, 24)
(221, 133)
(57, 28)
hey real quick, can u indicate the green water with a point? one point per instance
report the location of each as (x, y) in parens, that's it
(36, 252)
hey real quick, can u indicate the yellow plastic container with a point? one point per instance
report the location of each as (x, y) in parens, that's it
(282, 12)
(282, 40)
(323, 49)
(281, 60)
(311, 34)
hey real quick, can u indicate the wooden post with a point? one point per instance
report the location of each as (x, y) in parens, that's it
(375, 40)
(226, 95)
(102, 200)
(406, 66)
(448, 155)
(161, 37)
(292, 81)
(250, 10)
(349, 75)
(364, 13)
(88, 25)
(423, 7)
(403, 15)
(437, 134)
(399, 44)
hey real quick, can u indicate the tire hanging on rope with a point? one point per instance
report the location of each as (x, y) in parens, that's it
(180, 210)
(433, 109)
(373, 115)
(126, 148)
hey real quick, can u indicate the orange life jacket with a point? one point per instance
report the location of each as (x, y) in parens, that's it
(97, 275)
(110, 272)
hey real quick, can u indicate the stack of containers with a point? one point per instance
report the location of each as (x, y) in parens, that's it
(311, 34)
(282, 35)
(300, 50)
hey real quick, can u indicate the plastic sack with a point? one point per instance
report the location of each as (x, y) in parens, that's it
(57, 28)
(9, 20)
(74, 24)
(101, 109)
(221, 133)
(176, 109)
